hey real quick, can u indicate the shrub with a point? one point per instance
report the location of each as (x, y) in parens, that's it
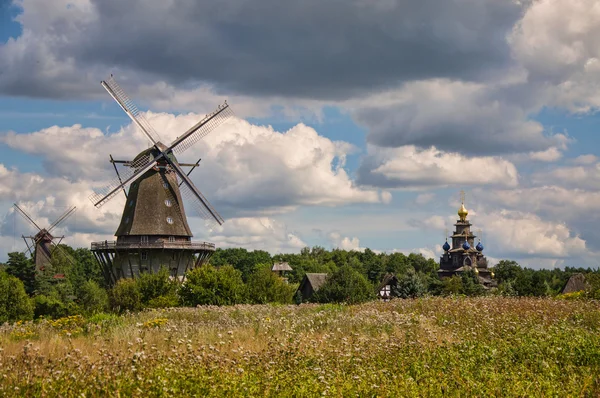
(125, 296)
(53, 307)
(15, 304)
(593, 282)
(93, 298)
(163, 302)
(346, 285)
(207, 285)
(264, 286)
(452, 286)
(157, 290)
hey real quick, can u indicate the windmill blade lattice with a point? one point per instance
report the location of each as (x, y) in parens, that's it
(130, 108)
(201, 207)
(26, 216)
(202, 128)
(137, 168)
(56, 247)
(62, 218)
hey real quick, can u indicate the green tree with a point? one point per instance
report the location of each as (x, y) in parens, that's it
(208, 285)
(397, 263)
(421, 264)
(264, 286)
(507, 270)
(372, 265)
(409, 286)
(452, 286)
(53, 307)
(15, 304)
(93, 298)
(23, 268)
(471, 285)
(84, 268)
(125, 296)
(157, 289)
(240, 259)
(346, 285)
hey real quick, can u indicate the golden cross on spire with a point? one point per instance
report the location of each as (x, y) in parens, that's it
(462, 196)
(446, 234)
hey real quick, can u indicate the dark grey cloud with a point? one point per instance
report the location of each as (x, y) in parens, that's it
(466, 118)
(329, 49)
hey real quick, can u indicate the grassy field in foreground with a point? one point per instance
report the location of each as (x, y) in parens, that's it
(426, 347)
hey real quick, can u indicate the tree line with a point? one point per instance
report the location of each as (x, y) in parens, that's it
(74, 284)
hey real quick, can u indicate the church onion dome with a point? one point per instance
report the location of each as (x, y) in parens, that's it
(462, 212)
(476, 270)
(466, 245)
(446, 246)
(479, 247)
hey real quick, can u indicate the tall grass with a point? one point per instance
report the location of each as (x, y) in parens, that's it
(424, 347)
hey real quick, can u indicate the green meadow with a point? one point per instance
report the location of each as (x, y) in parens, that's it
(439, 346)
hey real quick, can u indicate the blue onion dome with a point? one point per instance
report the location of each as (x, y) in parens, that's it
(466, 245)
(446, 246)
(479, 247)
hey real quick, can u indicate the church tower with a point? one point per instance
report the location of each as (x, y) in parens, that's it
(464, 254)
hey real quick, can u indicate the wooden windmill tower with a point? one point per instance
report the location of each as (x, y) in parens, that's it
(41, 246)
(154, 231)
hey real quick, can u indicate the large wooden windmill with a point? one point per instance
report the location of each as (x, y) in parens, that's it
(42, 245)
(154, 231)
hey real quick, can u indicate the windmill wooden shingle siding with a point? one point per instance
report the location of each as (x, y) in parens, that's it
(154, 230)
(153, 200)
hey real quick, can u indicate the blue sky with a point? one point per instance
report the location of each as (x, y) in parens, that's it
(339, 140)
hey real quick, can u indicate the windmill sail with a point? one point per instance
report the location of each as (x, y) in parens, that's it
(62, 218)
(43, 246)
(202, 128)
(201, 205)
(26, 216)
(130, 109)
(137, 168)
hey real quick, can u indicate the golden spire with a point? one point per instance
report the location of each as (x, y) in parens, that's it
(462, 212)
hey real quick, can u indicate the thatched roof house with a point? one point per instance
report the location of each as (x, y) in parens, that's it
(576, 283)
(281, 267)
(384, 290)
(310, 284)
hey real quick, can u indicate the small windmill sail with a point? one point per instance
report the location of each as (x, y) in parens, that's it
(41, 246)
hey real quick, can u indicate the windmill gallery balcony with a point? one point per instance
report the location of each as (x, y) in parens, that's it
(127, 258)
(180, 245)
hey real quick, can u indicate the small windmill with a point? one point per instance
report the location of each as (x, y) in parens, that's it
(154, 231)
(41, 246)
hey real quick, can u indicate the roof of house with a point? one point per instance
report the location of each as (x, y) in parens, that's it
(575, 283)
(281, 267)
(315, 280)
(388, 279)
